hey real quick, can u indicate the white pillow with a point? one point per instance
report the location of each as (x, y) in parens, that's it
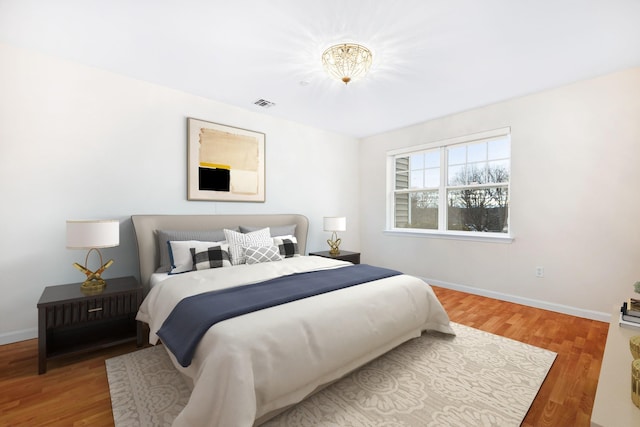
(258, 254)
(180, 254)
(238, 242)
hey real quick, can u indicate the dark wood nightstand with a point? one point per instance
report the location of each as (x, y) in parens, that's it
(353, 257)
(71, 322)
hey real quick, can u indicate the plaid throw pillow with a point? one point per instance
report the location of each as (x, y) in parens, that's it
(288, 246)
(213, 257)
(181, 256)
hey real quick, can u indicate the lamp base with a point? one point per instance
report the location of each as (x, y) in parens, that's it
(94, 283)
(334, 244)
(93, 286)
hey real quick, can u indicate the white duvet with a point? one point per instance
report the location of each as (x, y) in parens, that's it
(247, 368)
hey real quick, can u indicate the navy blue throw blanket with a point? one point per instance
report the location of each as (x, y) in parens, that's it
(193, 316)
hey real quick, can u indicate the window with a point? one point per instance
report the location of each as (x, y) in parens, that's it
(458, 186)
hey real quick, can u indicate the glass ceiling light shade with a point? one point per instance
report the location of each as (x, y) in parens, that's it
(347, 61)
(93, 235)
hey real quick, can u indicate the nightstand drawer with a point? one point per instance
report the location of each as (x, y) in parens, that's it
(91, 309)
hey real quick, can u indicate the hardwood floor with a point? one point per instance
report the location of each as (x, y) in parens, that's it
(566, 397)
(75, 392)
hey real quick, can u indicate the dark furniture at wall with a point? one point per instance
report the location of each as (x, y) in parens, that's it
(72, 322)
(353, 257)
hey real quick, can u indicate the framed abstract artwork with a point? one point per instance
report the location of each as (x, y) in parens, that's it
(225, 163)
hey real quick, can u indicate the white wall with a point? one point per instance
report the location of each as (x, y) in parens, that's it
(575, 200)
(77, 142)
(80, 143)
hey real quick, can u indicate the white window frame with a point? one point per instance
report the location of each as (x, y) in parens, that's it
(442, 232)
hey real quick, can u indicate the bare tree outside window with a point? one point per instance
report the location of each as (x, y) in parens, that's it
(483, 208)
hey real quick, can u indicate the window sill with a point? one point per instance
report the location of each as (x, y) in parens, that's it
(476, 237)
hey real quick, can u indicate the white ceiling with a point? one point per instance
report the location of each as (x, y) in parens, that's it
(430, 57)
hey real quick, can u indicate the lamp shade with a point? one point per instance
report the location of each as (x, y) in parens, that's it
(335, 223)
(93, 234)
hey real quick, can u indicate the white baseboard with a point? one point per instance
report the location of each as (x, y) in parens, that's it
(559, 308)
(15, 336)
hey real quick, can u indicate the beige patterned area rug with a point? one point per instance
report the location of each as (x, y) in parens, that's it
(473, 379)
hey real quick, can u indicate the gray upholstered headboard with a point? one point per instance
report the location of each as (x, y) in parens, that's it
(145, 227)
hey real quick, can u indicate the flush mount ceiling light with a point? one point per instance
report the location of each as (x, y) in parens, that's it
(347, 61)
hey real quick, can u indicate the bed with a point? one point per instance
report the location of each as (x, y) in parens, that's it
(249, 368)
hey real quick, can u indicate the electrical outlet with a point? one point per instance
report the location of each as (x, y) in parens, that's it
(539, 271)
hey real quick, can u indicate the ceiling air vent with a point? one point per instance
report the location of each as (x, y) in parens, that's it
(264, 103)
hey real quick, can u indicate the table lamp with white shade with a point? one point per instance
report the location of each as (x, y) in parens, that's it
(93, 235)
(334, 224)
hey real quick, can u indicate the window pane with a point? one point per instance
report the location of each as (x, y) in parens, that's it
(417, 210)
(484, 209)
(457, 155)
(402, 181)
(423, 210)
(402, 164)
(498, 171)
(402, 175)
(477, 152)
(477, 173)
(432, 159)
(432, 178)
(457, 175)
(401, 214)
(425, 199)
(417, 161)
(499, 149)
(417, 179)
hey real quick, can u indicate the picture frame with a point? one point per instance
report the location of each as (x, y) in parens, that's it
(224, 163)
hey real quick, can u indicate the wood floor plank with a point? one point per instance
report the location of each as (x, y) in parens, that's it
(75, 391)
